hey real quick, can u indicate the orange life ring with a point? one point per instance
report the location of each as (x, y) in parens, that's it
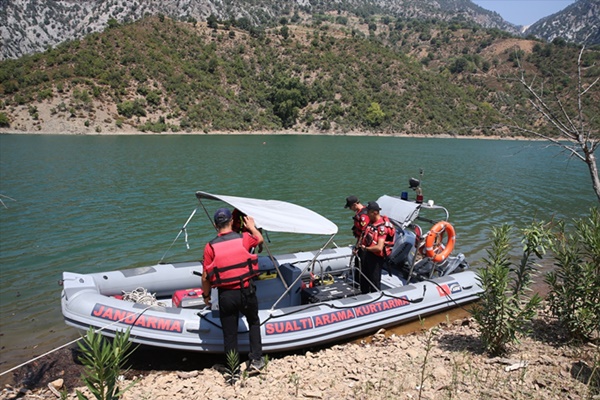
(434, 248)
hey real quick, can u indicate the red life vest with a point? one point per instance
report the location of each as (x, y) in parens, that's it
(373, 232)
(232, 266)
(358, 227)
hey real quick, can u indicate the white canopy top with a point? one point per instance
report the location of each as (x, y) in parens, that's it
(278, 216)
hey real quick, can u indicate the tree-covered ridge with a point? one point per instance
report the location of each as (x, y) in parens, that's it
(329, 73)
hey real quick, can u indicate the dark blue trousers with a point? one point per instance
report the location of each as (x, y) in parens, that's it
(232, 303)
(371, 269)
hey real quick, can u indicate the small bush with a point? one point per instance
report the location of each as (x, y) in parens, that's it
(504, 310)
(156, 127)
(575, 283)
(132, 108)
(232, 369)
(103, 361)
(4, 120)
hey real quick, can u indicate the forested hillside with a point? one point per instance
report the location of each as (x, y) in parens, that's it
(325, 73)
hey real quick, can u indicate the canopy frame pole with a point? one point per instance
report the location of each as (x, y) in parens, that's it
(183, 229)
(208, 215)
(303, 270)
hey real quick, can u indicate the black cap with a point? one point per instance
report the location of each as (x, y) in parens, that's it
(350, 200)
(222, 215)
(373, 206)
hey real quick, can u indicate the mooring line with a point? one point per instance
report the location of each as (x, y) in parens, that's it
(41, 356)
(75, 341)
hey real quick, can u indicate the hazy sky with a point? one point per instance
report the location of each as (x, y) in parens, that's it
(524, 12)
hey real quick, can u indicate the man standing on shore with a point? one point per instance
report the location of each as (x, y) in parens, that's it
(230, 266)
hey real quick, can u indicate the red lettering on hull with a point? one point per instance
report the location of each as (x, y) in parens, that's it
(320, 320)
(334, 317)
(294, 325)
(140, 320)
(383, 305)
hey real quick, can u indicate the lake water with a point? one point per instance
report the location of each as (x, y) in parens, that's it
(95, 203)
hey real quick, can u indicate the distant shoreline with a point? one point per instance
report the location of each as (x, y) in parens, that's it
(272, 133)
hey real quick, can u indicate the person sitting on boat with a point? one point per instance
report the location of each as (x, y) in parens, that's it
(377, 242)
(239, 226)
(230, 266)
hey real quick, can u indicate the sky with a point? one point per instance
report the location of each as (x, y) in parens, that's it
(524, 12)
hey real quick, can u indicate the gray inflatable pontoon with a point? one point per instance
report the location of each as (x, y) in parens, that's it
(305, 298)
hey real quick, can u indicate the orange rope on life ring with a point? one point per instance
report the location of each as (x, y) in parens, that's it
(434, 247)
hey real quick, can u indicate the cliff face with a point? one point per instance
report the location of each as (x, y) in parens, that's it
(30, 26)
(579, 23)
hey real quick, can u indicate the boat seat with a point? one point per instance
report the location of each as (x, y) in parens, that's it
(269, 290)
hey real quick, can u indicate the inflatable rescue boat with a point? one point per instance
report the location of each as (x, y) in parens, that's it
(305, 298)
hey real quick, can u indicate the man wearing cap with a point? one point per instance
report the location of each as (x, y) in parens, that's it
(377, 242)
(361, 220)
(230, 266)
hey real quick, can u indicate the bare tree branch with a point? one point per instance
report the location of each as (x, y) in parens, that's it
(575, 133)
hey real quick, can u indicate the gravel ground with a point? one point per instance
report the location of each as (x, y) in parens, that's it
(445, 362)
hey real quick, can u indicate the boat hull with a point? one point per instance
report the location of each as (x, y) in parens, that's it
(94, 300)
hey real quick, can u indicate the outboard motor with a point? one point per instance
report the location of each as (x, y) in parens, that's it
(427, 269)
(403, 252)
(423, 269)
(458, 263)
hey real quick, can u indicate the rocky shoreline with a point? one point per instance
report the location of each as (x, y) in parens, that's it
(444, 362)
(103, 124)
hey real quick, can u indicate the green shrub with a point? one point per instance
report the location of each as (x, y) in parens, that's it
(33, 111)
(103, 362)
(504, 310)
(374, 115)
(4, 120)
(156, 127)
(44, 94)
(232, 369)
(153, 98)
(575, 283)
(132, 108)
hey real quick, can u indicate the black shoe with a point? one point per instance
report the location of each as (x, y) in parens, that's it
(256, 366)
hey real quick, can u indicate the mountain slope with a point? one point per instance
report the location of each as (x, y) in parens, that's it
(31, 26)
(331, 74)
(578, 23)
